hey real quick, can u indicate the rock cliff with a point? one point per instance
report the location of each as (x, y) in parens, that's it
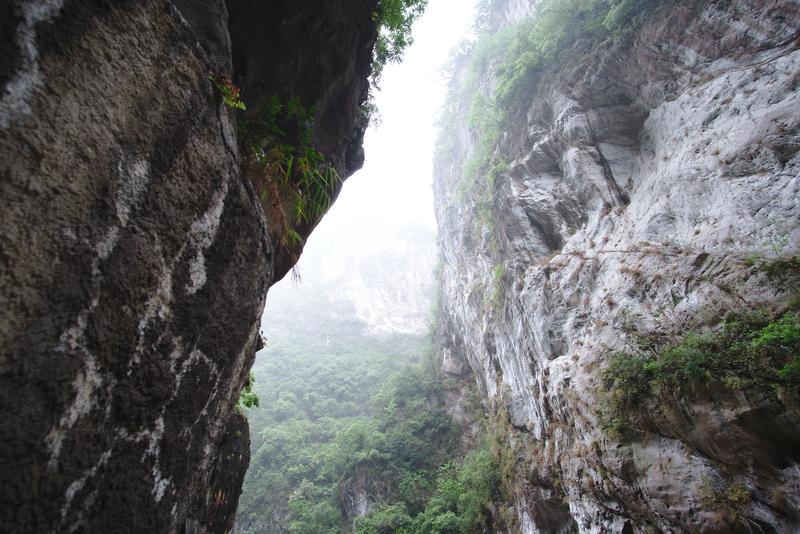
(135, 250)
(634, 179)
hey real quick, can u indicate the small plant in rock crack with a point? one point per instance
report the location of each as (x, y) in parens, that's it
(229, 92)
(247, 398)
(498, 276)
(279, 139)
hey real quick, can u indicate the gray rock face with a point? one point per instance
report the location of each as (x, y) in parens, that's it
(320, 53)
(135, 257)
(214, 510)
(362, 494)
(643, 172)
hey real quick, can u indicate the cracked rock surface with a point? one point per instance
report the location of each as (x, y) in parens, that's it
(642, 174)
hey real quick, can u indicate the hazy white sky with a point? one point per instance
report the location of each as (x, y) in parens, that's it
(394, 187)
(393, 190)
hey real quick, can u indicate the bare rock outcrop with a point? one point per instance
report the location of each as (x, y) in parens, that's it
(642, 173)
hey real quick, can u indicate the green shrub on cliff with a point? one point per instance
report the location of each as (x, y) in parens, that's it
(556, 27)
(395, 19)
(459, 505)
(388, 519)
(747, 352)
(279, 138)
(228, 91)
(313, 518)
(247, 398)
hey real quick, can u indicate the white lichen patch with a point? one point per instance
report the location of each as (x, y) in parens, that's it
(194, 358)
(134, 178)
(103, 249)
(216, 423)
(156, 308)
(133, 182)
(78, 485)
(197, 273)
(159, 485)
(201, 236)
(15, 100)
(153, 438)
(86, 383)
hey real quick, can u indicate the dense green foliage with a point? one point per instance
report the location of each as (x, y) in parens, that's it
(230, 93)
(458, 504)
(334, 403)
(542, 39)
(341, 408)
(395, 19)
(746, 352)
(248, 399)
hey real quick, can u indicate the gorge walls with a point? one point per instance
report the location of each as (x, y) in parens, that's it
(637, 187)
(135, 250)
(611, 207)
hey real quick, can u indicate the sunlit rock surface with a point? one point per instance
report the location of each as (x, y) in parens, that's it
(641, 177)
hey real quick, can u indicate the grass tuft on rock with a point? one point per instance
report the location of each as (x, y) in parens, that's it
(746, 352)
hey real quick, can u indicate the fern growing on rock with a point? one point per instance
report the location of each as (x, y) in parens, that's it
(278, 138)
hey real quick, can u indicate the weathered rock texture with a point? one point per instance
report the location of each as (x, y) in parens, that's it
(214, 511)
(135, 255)
(642, 173)
(363, 493)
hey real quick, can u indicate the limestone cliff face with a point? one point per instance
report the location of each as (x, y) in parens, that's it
(135, 253)
(642, 172)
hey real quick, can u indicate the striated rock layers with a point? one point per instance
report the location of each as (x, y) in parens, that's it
(642, 173)
(135, 255)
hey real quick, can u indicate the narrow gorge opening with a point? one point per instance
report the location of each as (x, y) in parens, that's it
(599, 330)
(565, 375)
(351, 430)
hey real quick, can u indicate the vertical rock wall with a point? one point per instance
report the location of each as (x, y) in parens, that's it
(134, 254)
(642, 173)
